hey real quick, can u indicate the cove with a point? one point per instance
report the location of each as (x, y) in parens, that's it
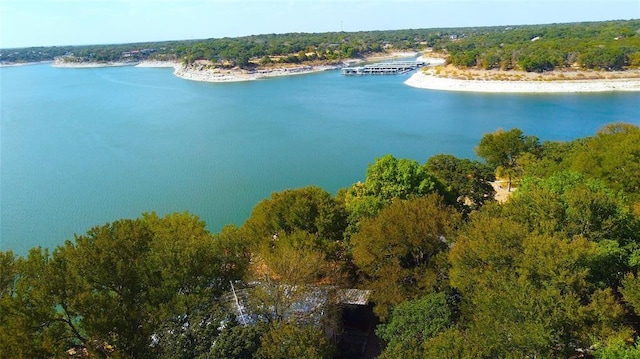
(82, 147)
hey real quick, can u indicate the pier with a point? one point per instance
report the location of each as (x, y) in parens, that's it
(384, 68)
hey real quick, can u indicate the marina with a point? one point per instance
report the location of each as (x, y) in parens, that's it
(384, 68)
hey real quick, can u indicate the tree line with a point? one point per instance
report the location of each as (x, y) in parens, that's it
(93, 53)
(552, 272)
(607, 45)
(238, 51)
(610, 45)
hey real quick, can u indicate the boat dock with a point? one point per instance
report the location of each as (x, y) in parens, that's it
(384, 68)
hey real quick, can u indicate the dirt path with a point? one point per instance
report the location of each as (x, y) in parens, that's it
(501, 191)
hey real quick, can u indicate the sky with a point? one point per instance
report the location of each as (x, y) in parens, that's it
(27, 23)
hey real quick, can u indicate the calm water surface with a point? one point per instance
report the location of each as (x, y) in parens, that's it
(82, 147)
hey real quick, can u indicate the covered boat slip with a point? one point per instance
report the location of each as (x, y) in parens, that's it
(384, 68)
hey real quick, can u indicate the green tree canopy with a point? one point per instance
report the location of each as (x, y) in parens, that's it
(502, 150)
(388, 178)
(238, 341)
(286, 340)
(613, 155)
(570, 203)
(309, 209)
(468, 180)
(412, 323)
(27, 327)
(401, 251)
(119, 289)
(527, 295)
(619, 348)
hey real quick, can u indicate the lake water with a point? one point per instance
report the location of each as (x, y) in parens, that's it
(82, 147)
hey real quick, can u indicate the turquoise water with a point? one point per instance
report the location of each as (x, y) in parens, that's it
(82, 147)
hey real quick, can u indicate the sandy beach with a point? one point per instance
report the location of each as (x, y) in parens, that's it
(158, 64)
(432, 61)
(552, 83)
(396, 55)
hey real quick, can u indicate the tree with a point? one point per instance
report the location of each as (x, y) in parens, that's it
(286, 340)
(619, 348)
(569, 202)
(468, 180)
(528, 295)
(8, 263)
(30, 326)
(607, 58)
(401, 251)
(412, 323)
(613, 156)
(552, 158)
(539, 60)
(452, 343)
(114, 297)
(388, 178)
(265, 60)
(238, 341)
(309, 209)
(131, 288)
(193, 267)
(290, 274)
(502, 149)
(290, 296)
(573, 206)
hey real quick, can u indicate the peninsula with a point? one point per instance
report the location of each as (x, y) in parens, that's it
(449, 78)
(207, 71)
(574, 57)
(580, 57)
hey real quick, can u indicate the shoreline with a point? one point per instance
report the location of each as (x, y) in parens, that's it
(89, 65)
(237, 75)
(435, 77)
(200, 73)
(430, 80)
(19, 64)
(157, 64)
(215, 75)
(432, 61)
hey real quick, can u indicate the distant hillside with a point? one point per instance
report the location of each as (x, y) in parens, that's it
(612, 45)
(609, 45)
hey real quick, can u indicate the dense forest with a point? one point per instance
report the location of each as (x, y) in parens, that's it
(552, 272)
(609, 45)
(602, 45)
